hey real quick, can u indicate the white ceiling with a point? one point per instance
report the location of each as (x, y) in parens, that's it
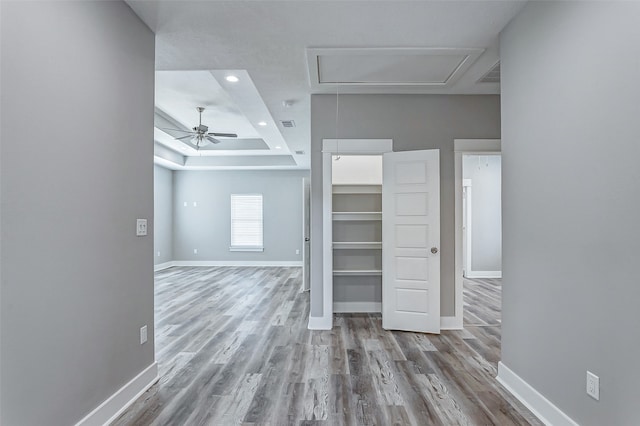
(271, 41)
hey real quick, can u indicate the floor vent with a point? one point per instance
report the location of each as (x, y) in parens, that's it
(288, 123)
(492, 76)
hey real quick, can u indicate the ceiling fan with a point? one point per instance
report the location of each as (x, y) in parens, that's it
(200, 134)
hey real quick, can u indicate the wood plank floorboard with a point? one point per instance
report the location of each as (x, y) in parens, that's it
(482, 299)
(233, 348)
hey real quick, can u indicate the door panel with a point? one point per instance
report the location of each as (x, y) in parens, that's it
(410, 229)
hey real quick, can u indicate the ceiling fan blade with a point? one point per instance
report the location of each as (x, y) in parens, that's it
(184, 137)
(224, 135)
(212, 140)
(176, 130)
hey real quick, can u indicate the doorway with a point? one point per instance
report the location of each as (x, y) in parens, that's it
(482, 239)
(478, 228)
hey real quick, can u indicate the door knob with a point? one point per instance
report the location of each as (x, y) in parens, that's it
(306, 239)
(434, 250)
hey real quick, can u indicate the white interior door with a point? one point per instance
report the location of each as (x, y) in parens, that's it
(411, 241)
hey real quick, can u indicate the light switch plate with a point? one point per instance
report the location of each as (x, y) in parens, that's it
(143, 335)
(593, 386)
(141, 227)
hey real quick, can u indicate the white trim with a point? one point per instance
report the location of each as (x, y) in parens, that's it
(237, 263)
(540, 406)
(484, 274)
(468, 224)
(327, 241)
(460, 147)
(161, 266)
(451, 323)
(115, 405)
(357, 307)
(320, 323)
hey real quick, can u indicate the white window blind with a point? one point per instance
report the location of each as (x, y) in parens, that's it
(246, 222)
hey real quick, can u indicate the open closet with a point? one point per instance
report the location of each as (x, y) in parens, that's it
(381, 233)
(357, 233)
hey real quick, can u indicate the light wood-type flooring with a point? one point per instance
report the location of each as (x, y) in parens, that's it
(482, 298)
(233, 347)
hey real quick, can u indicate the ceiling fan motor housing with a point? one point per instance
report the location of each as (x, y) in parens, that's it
(201, 128)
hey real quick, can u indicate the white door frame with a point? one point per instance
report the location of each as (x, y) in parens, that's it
(467, 225)
(306, 231)
(461, 147)
(331, 147)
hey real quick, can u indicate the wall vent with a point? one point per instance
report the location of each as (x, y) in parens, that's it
(288, 123)
(492, 76)
(299, 152)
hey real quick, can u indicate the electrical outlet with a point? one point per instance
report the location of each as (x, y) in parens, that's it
(593, 386)
(141, 227)
(158, 254)
(143, 335)
(195, 204)
(185, 204)
(195, 251)
(297, 251)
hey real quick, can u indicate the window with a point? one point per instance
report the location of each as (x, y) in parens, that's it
(246, 222)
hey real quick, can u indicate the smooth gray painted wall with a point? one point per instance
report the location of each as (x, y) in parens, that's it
(207, 227)
(414, 122)
(570, 93)
(77, 146)
(162, 215)
(486, 213)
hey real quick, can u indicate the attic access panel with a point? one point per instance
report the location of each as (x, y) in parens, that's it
(389, 67)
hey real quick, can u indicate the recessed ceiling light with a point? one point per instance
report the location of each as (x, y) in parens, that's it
(262, 123)
(278, 147)
(232, 79)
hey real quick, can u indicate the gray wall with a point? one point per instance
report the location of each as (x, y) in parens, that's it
(571, 109)
(414, 122)
(207, 227)
(77, 145)
(162, 215)
(486, 217)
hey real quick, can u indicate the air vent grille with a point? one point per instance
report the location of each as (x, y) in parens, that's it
(299, 152)
(492, 76)
(288, 123)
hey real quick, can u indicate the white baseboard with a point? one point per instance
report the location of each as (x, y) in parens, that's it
(115, 405)
(356, 307)
(320, 323)
(161, 266)
(274, 263)
(483, 274)
(540, 406)
(451, 323)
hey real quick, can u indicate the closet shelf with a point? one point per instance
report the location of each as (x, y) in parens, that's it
(357, 215)
(357, 272)
(357, 189)
(340, 245)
